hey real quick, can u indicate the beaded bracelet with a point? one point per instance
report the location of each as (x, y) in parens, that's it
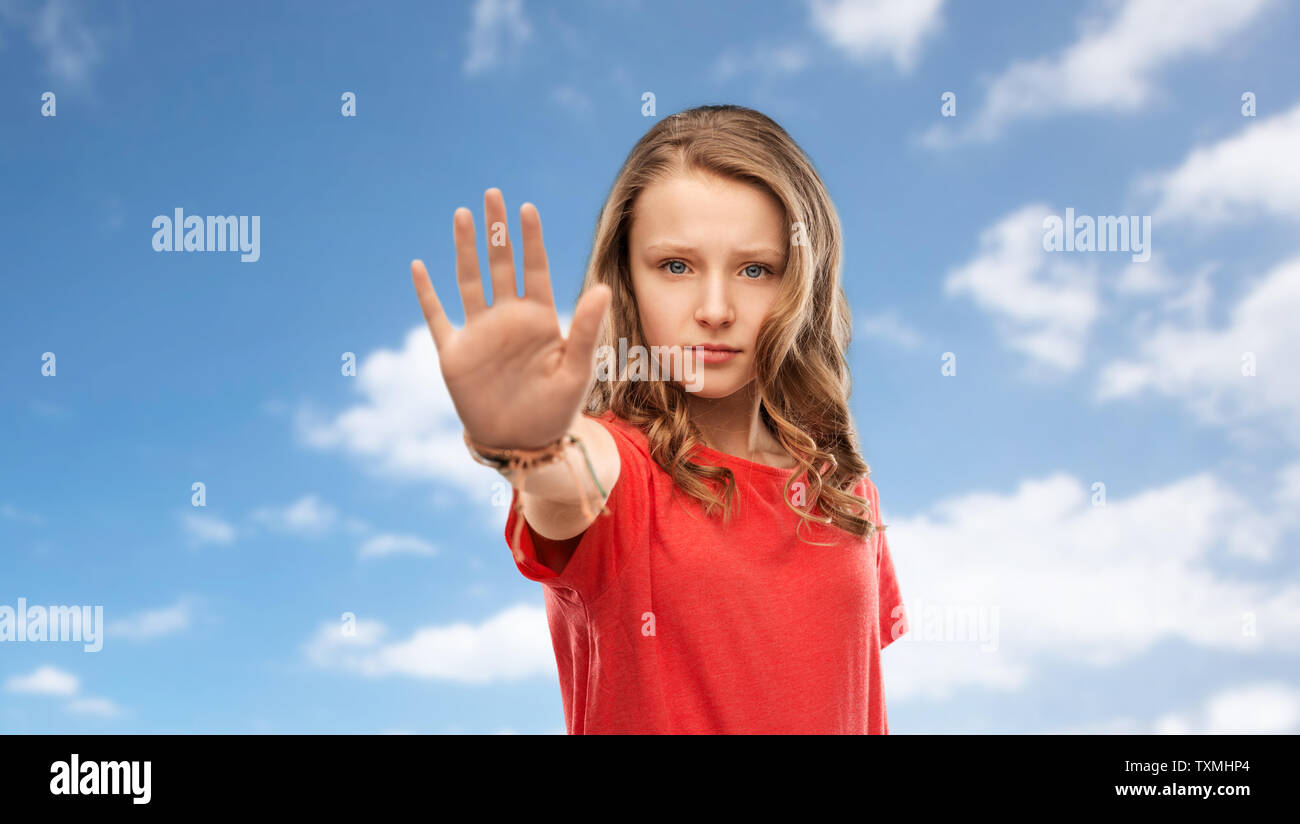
(509, 461)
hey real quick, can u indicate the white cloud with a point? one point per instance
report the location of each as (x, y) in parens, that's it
(69, 46)
(154, 623)
(1202, 366)
(207, 529)
(1112, 66)
(1288, 487)
(1260, 708)
(388, 544)
(308, 516)
(1254, 173)
(498, 27)
(405, 426)
(1253, 709)
(888, 326)
(1083, 584)
(877, 29)
(44, 681)
(1191, 302)
(1044, 302)
(1148, 278)
(94, 706)
(53, 681)
(511, 645)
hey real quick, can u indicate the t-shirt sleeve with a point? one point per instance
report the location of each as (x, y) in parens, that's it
(610, 542)
(893, 615)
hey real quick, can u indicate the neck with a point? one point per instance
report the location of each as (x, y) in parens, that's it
(734, 426)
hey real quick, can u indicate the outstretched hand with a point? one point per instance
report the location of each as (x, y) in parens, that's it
(514, 379)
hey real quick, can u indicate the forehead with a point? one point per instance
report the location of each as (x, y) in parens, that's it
(707, 212)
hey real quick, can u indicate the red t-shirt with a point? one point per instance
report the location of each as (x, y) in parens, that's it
(666, 621)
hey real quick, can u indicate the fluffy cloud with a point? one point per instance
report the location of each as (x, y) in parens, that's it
(1112, 66)
(56, 29)
(877, 29)
(1182, 355)
(1044, 302)
(154, 623)
(94, 706)
(44, 681)
(207, 529)
(405, 425)
(52, 681)
(307, 516)
(1251, 174)
(511, 645)
(1203, 366)
(1253, 709)
(499, 26)
(1054, 577)
(387, 544)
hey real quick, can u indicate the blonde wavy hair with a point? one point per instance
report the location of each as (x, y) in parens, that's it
(802, 374)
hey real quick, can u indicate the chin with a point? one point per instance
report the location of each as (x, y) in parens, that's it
(711, 389)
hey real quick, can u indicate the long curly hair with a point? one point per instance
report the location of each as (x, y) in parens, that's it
(802, 375)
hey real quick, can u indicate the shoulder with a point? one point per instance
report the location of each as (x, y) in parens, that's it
(866, 489)
(623, 431)
(628, 449)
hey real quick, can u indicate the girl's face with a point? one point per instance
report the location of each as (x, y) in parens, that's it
(706, 254)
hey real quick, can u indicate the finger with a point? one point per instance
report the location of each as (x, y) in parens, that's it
(439, 325)
(585, 328)
(537, 272)
(501, 254)
(469, 280)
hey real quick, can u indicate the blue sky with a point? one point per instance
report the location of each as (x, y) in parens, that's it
(1171, 606)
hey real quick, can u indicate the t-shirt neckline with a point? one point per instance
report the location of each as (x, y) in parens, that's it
(726, 457)
(747, 464)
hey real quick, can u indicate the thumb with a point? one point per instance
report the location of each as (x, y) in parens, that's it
(585, 328)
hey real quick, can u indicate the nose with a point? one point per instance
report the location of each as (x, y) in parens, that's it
(716, 308)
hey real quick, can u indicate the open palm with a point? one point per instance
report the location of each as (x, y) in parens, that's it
(515, 380)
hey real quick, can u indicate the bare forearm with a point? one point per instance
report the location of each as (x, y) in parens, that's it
(554, 481)
(552, 503)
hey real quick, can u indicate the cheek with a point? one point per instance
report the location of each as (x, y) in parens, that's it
(760, 314)
(658, 328)
(659, 316)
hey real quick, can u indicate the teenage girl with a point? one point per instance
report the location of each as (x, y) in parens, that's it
(713, 559)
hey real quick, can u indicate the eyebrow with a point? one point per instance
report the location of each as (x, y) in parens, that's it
(685, 249)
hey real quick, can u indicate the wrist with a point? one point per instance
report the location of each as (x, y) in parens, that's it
(506, 459)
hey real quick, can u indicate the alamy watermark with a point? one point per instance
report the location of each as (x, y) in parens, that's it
(213, 233)
(55, 623)
(951, 623)
(77, 777)
(1105, 233)
(639, 363)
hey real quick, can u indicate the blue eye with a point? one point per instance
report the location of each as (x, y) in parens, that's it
(755, 276)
